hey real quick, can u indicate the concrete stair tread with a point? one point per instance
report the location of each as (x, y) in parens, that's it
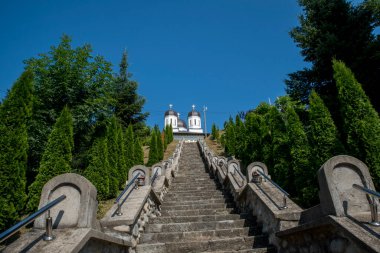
(195, 218)
(229, 244)
(194, 226)
(195, 235)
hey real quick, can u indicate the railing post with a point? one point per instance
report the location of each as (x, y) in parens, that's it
(284, 201)
(118, 210)
(49, 228)
(374, 215)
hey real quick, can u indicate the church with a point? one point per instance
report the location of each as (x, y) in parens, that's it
(181, 128)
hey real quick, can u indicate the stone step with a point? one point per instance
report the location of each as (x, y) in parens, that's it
(206, 191)
(191, 198)
(198, 218)
(194, 226)
(193, 188)
(226, 244)
(169, 202)
(197, 206)
(194, 235)
(197, 212)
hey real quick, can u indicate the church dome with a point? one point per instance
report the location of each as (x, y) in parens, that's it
(181, 123)
(193, 113)
(171, 112)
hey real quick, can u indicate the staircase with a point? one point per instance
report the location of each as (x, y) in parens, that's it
(199, 217)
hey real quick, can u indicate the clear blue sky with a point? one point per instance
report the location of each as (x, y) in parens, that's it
(226, 54)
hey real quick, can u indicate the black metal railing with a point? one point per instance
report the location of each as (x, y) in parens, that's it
(372, 204)
(284, 206)
(240, 174)
(154, 177)
(120, 203)
(49, 221)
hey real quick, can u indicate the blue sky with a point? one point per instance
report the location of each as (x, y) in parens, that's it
(226, 54)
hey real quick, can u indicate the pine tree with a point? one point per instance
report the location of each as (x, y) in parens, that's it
(98, 170)
(171, 137)
(165, 139)
(113, 153)
(361, 123)
(153, 154)
(15, 111)
(129, 104)
(129, 147)
(138, 152)
(56, 158)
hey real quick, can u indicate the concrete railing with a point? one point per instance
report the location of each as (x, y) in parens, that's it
(76, 228)
(338, 224)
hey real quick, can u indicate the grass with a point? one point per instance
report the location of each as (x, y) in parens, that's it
(215, 146)
(103, 207)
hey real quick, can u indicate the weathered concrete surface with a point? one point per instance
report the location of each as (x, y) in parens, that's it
(144, 171)
(68, 240)
(330, 234)
(77, 210)
(130, 209)
(253, 167)
(336, 178)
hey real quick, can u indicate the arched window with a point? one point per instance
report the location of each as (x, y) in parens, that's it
(195, 122)
(175, 122)
(171, 121)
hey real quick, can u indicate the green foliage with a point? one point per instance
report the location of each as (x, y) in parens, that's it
(128, 104)
(229, 137)
(340, 29)
(15, 112)
(360, 120)
(171, 137)
(73, 77)
(129, 147)
(98, 169)
(214, 132)
(160, 145)
(153, 152)
(56, 158)
(115, 176)
(138, 152)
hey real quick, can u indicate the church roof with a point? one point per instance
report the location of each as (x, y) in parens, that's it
(193, 113)
(171, 112)
(181, 123)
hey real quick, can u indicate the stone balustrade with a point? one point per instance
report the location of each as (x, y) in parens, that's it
(339, 224)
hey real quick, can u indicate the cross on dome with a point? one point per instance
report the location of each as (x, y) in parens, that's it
(170, 106)
(193, 107)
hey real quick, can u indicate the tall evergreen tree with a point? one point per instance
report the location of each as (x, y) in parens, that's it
(98, 169)
(15, 112)
(153, 154)
(340, 29)
(121, 158)
(361, 122)
(128, 104)
(138, 152)
(171, 137)
(57, 157)
(129, 147)
(160, 145)
(113, 157)
(299, 151)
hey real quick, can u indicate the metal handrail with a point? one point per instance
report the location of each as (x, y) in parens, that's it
(239, 172)
(49, 221)
(117, 201)
(278, 187)
(372, 204)
(154, 177)
(126, 188)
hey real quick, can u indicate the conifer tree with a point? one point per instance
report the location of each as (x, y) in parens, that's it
(299, 152)
(165, 139)
(98, 169)
(121, 159)
(15, 112)
(160, 146)
(56, 158)
(113, 153)
(129, 147)
(278, 158)
(153, 154)
(138, 152)
(361, 123)
(322, 132)
(171, 137)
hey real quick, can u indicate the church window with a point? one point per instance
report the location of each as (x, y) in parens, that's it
(195, 122)
(171, 121)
